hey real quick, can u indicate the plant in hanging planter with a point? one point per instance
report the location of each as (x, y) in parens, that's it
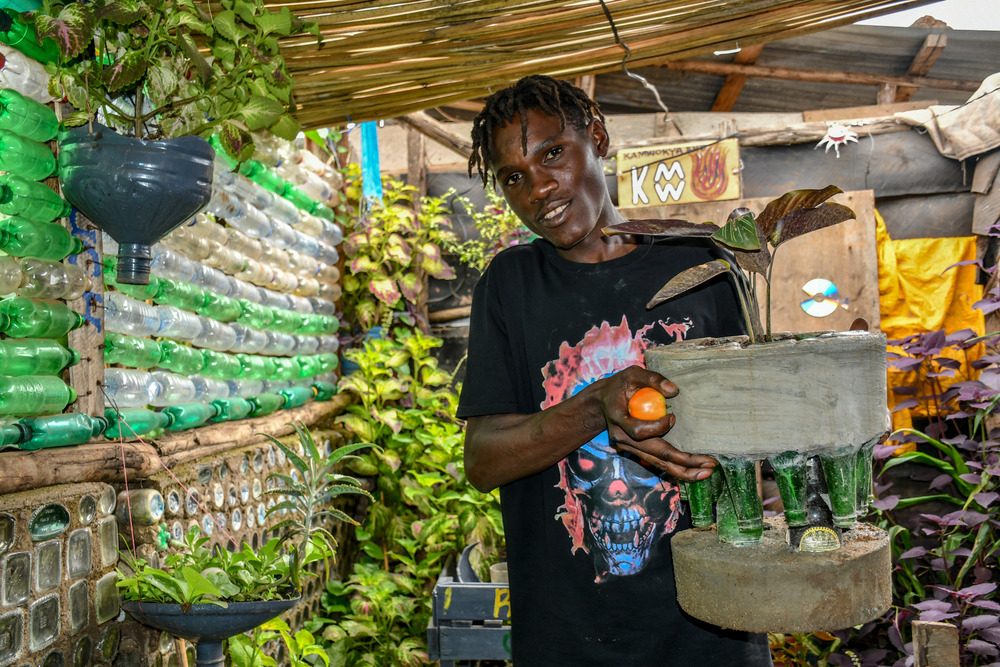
(207, 593)
(163, 73)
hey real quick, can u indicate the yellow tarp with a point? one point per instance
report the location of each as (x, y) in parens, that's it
(919, 293)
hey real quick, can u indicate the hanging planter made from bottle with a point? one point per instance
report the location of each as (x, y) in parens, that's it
(135, 190)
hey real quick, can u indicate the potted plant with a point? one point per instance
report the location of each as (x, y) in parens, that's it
(208, 594)
(784, 397)
(163, 73)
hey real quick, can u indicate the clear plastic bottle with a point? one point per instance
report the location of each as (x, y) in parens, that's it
(246, 387)
(279, 343)
(227, 260)
(35, 201)
(26, 117)
(300, 304)
(169, 264)
(171, 389)
(129, 316)
(26, 158)
(177, 323)
(215, 336)
(34, 356)
(23, 74)
(306, 344)
(213, 280)
(210, 389)
(243, 244)
(131, 351)
(328, 343)
(24, 318)
(180, 358)
(242, 290)
(252, 222)
(10, 275)
(188, 243)
(248, 339)
(45, 279)
(22, 237)
(127, 388)
(269, 297)
(307, 287)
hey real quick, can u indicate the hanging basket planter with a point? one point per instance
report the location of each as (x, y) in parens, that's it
(135, 190)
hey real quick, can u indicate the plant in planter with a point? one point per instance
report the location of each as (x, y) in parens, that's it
(139, 68)
(786, 398)
(208, 594)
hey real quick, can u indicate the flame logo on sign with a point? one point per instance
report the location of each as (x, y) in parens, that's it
(709, 179)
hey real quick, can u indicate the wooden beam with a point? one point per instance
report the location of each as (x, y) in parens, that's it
(922, 63)
(733, 85)
(820, 76)
(935, 644)
(887, 93)
(872, 111)
(433, 129)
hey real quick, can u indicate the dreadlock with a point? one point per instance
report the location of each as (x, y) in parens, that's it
(551, 96)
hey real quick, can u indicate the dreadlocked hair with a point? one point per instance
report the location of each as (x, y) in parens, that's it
(550, 96)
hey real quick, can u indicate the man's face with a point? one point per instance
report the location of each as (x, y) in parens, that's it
(557, 188)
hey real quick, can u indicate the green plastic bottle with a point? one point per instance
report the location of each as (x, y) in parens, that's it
(21, 317)
(24, 157)
(180, 294)
(30, 356)
(309, 365)
(263, 176)
(34, 395)
(131, 351)
(129, 424)
(255, 315)
(216, 143)
(219, 307)
(324, 390)
(189, 415)
(297, 396)
(73, 428)
(26, 117)
(22, 237)
(328, 362)
(265, 404)
(287, 321)
(231, 409)
(29, 199)
(11, 433)
(285, 368)
(299, 198)
(220, 365)
(180, 358)
(140, 292)
(16, 32)
(256, 367)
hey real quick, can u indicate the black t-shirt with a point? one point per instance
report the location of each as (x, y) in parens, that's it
(588, 540)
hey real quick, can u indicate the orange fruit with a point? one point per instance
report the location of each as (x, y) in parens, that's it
(647, 404)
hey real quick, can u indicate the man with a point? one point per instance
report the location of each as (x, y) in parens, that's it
(589, 495)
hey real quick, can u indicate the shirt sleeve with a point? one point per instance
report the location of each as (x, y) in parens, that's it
(490, 385)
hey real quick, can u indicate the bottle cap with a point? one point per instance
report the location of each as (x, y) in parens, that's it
(72, 394)
(77, 246)
(98, 424)
(74, 356)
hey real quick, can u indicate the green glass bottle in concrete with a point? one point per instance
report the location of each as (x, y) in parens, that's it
(790, 476)
(839, 471)
(701, 497)
(740, 475)
(48, 522)
(60, 430)
(819, 533)
(21, 237)
(863, 477)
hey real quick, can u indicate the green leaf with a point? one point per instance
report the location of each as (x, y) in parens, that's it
(126, 71)
(236, 141)
(245, 11)
(225, 24)
(72, 28)
(739, 232)
(286, 127)
(76, 119)
(122, 12)
(162, 81)
(279, 22)
(224, 52)
(688, 279)
(261, 112)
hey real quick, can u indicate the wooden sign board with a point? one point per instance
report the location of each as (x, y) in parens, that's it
(845, 254)
(678, 173)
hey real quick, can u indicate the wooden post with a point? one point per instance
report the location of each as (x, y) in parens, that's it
(733, 85)
(433, 129)
(416, 164)
(887, 93)
(922, 63)
(87, 376)
(935, 644)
